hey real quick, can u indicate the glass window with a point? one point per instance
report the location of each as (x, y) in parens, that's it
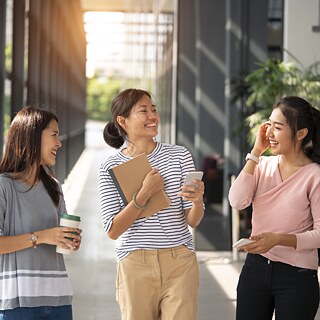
(9, 30)
(8, 66)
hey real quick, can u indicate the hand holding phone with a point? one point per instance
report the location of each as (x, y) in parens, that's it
(192, 175)
(242, 242)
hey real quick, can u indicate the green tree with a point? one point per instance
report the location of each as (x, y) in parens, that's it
(274, 79)
(100, 94)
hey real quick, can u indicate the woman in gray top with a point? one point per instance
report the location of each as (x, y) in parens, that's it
(33, 279)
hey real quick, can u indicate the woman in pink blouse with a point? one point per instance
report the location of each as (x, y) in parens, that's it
(280, 271)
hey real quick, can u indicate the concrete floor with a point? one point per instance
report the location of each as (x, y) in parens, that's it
(92, 269)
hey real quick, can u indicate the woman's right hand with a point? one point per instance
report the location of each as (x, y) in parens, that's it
(262, 142)
(152, 183)
(58, 236)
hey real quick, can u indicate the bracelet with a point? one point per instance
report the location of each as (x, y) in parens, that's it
(134, 200)
(252, 157)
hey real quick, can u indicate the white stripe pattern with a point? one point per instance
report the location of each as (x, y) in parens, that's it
(34, 287)
(168, 227)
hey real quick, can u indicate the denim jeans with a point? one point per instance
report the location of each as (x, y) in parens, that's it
(38, 313)
(266, 287)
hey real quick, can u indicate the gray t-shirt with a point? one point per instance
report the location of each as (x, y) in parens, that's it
(34, 276)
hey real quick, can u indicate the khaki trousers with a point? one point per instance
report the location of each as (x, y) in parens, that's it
(158, 284)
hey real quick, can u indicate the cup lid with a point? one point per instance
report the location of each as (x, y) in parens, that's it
(70, 217)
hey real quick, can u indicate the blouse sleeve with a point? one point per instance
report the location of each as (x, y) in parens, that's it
(311, 239)
(242, 190)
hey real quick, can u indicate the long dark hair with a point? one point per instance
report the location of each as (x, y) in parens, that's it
(300, 114)
(114, 135)
(23, 149)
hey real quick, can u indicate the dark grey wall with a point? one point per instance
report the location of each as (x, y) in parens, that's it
(209, 58)
(186, 75)
(202, 69)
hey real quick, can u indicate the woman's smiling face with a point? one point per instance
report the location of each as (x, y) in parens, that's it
(143, 120)
(50, 143)
(279, 133)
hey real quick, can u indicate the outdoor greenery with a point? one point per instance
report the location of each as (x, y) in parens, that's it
(100, 94)
(274, 79)
(8, 57)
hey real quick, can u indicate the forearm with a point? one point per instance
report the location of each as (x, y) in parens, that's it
(125, 218)
(123, 221)
(266, 241)
(250, 165)
(287, 240)
(52, 236)
(194, 215)
(10, 244)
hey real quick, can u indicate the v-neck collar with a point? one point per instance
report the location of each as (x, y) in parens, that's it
(292, 175)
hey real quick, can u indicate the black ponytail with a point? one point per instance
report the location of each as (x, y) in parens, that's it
(315, 154)
(113, 136)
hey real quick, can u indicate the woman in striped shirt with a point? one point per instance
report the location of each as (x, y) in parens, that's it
(157, 266)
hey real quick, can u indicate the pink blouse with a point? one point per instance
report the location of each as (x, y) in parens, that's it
(291, 206)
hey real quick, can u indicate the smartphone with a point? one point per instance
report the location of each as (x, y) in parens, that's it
(192, 175)
(242, 242)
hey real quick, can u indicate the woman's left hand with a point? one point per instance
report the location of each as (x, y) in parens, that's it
(262, 244)
(194, 192)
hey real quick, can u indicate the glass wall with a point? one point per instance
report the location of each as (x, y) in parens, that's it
(134, 48)
(8, 68)
(42, 63)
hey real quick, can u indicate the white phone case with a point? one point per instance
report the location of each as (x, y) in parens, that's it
(192, 175)
(242, 242)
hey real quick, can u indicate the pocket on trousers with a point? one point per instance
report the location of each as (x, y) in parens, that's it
(185, 254)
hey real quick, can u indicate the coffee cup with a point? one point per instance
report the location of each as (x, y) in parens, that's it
(68, 220)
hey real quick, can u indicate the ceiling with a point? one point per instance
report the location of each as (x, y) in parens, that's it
(128, 5)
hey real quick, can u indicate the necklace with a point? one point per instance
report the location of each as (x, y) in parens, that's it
(129, 153)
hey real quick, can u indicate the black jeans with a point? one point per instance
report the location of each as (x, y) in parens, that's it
(265, 287)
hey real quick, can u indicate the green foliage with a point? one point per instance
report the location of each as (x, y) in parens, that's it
(274, 79)
(6, 115)
(270, 82)
(8, 57)
(100, 94)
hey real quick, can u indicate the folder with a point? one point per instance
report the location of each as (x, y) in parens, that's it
(128, 178)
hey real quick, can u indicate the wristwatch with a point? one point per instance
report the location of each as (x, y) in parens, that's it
(33, 239)
(252, 157)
